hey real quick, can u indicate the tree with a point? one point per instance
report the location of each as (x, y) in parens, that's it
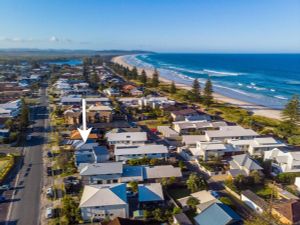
(134, 73)
(153, 161)
(181, 164)
(176, 210)
(207, 93)
(70, 210)
(195, 183)
(195, 92)
(24, 116)
(173, 88)
(143, 78)
(257, 177)
(155, 79)
(157, 214)
(134, 186)
(192, 202)
(291, 112)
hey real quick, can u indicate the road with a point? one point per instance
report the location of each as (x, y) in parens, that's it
(23, 205)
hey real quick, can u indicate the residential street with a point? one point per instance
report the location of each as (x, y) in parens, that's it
(23, 206)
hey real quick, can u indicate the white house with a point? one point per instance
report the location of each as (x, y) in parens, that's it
(126, 138)
(297, 183)
(257, 146)
(243, 165)
(125, 152)
(284, 161)
(184, 127)
(102, 201)
(168, 132)
(129, 102)
(230, 132)
(10, 109)
(211, 149)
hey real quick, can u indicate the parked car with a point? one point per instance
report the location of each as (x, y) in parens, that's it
(2, 198)
(4, 187)
(172, 148)
(49, 171)
(50, 192)
(49, 154)
(49, 212)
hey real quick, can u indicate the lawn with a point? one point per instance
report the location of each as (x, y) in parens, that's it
(264, 192)
(154, 123)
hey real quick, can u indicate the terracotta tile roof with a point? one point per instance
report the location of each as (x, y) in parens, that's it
(289, 209)
(76, 136)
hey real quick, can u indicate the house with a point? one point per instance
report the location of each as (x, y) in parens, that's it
(75, 135)
(156, 102)
(186, 127)
(254, 201)
(287, 211)
(204, 197)
(156, 173)
(230, 132)
(284, 161)
(101, 201)
(181, 219)
(101, 173)
(91, 154)
(136, 92)
(129, 102)
(112, 92)
(126, 138)
(180, 115)
(99, 113)
(127, 152)
(127, 88)
(4, 133)
(191, 140)
(257, 146)
(207, 150)
(217, 214)
(243, 165)
(10, 109)
(72, 116)
(168, 132)
(150, 193)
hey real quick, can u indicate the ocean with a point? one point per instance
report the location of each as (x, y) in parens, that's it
(262, 79)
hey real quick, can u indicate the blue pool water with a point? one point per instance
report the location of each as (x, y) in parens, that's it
(264, 79)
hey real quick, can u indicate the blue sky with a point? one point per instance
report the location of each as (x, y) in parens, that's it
(157, 25)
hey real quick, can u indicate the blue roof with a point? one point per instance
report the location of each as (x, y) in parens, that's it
(100, 150)
(217, 214)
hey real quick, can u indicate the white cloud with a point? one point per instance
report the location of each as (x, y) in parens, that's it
(53, 39)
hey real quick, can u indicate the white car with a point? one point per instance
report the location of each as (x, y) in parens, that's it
(50, 192)
(49, 212)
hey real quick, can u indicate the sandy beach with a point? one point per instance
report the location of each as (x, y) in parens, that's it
(256, 109)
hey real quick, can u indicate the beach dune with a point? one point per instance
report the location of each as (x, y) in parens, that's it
(256, 109)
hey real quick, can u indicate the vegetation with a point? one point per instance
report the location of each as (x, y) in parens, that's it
(143, 78)
(70, 211)
(24, 115)
(287, 178)
(134, 186)
(6, 163)
(227, 201)
(196, 183)
(155, 79)
(196, 91)
(173, 88)
(207, 93)
(192, 202)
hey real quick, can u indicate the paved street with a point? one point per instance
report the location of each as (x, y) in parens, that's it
(23, 205)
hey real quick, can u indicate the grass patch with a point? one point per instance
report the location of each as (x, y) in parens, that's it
(6, 163)
(154, 123)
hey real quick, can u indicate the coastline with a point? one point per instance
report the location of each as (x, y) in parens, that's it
(256, 109)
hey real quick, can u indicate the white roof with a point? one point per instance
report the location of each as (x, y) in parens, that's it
(192, 139)
(152, 172)
(140, 149)
(127, 136)
(100, 108)
(101, 168)
(150, 192)
(231, 131)
(103, 195)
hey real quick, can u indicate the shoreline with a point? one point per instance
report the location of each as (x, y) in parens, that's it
(256, 109)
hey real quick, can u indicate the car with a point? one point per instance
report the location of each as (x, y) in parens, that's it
(50, 192)
(49, 154)
(49, 171)
(4, 187)
(172, 148)
(2, 198)
(49, 212)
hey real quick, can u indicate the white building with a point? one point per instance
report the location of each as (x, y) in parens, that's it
(230, 132)
(285, 161)
(10, 109)
(253, 201)
(126, 138)
(125, 152)
(257, 146)
(102, 201)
